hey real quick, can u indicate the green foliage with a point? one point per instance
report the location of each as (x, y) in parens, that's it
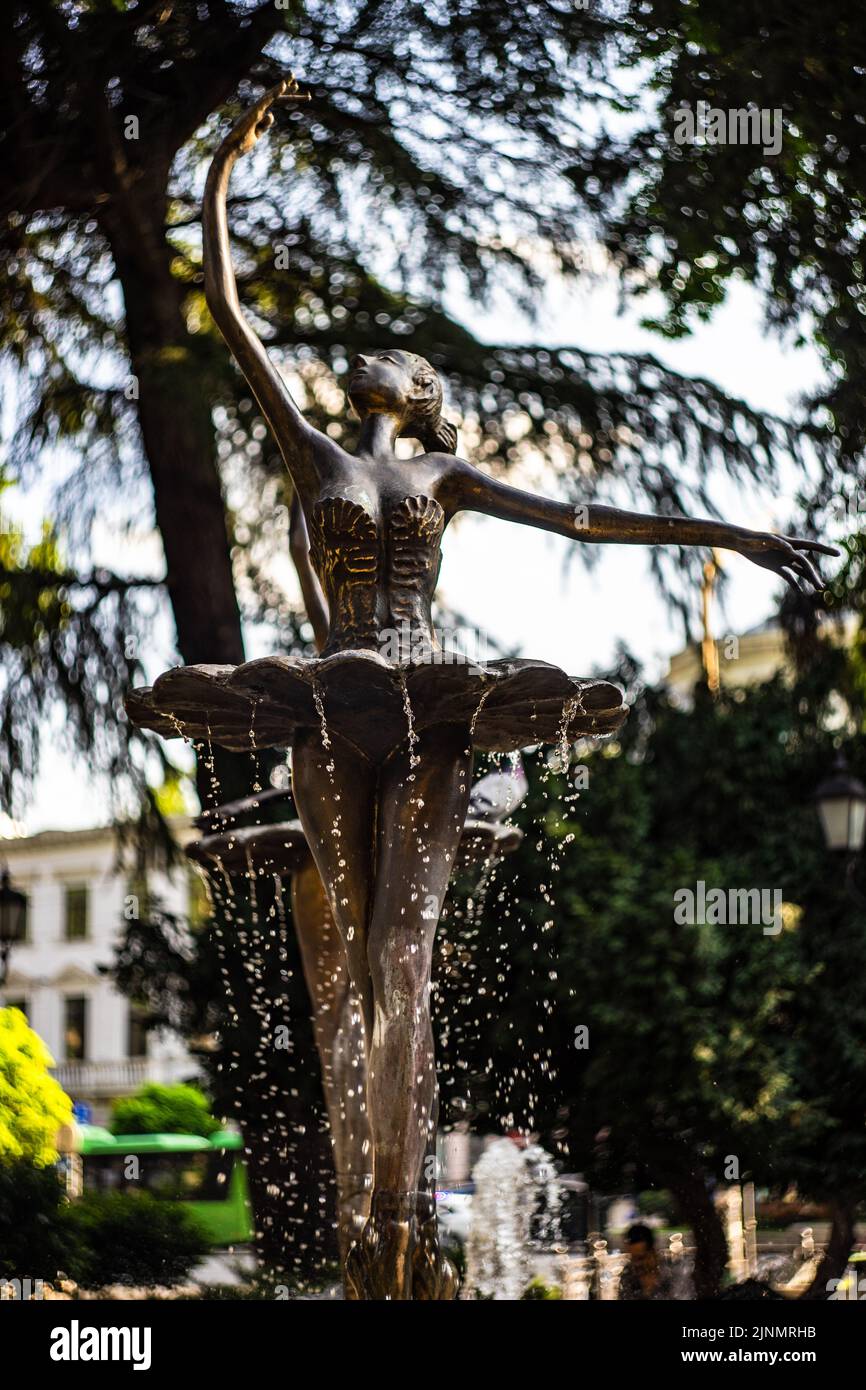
(158, 1109)
(704, 1041)
(35, 1239)
(101, 1238)
(537, 1289)
(32, 1105)
(691, 218)
(67, 638)
(120, 1238)
(656, 1203)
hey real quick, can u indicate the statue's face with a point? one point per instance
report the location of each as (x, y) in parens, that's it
(385, 383)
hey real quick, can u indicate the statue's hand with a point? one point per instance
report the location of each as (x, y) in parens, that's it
(785, 555)
(252, 125)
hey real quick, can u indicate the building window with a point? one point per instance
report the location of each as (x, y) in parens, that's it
(136, 1043)
(18, 1004)
(22, 929)
(76, 915)
(75, 1028)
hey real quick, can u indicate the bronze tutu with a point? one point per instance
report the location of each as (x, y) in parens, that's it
(369, 701)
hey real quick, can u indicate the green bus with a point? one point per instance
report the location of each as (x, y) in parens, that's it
(208, 1175)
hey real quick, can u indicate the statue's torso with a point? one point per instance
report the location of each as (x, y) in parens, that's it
(376, 551)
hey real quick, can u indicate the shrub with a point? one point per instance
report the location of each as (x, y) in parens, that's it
(125, 1238)
(35, 1239)
(156, 1109)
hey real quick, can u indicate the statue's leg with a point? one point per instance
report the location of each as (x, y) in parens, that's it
(339, 1033)
(433, 1275)
(335, 793)
(421, 810)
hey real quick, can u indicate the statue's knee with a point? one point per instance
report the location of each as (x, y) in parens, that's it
(399, 992)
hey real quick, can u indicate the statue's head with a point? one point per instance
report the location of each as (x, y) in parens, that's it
(394, 382)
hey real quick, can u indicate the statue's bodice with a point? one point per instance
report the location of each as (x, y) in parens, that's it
(378, 576)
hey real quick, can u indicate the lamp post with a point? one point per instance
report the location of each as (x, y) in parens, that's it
(13, 906)
(841, 802)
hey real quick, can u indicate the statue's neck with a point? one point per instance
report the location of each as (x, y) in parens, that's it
(378, 436)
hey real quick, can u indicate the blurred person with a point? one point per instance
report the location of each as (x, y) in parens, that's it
(645, 1278)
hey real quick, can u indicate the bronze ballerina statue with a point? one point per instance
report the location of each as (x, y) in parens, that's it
(382, 751)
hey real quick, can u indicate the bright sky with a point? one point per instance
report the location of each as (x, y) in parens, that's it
(514, 582)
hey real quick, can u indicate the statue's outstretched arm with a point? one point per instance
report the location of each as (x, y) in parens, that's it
(472, 490)
(311, 591)
(291, 430)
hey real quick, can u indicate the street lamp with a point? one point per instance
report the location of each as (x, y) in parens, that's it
(13, 908)
(841, 802)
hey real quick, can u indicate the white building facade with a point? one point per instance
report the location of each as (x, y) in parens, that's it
(78, 897)
(744, 659)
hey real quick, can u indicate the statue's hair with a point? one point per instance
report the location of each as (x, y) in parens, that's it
(425, 423)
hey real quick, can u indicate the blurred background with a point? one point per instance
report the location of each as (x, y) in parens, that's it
(619, 315)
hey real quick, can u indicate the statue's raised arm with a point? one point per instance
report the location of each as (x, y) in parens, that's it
(291, 430)
(311, 590)
(471, 490)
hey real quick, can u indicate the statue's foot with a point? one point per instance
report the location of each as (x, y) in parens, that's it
(379, 1264)
(433, 1275)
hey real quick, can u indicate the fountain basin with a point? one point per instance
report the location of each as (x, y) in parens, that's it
(282, 848)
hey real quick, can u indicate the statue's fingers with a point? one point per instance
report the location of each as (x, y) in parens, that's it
(293, 93)
(799, 564)
(271, 95)
(799, 543)
(806, 568)
(789, 575)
